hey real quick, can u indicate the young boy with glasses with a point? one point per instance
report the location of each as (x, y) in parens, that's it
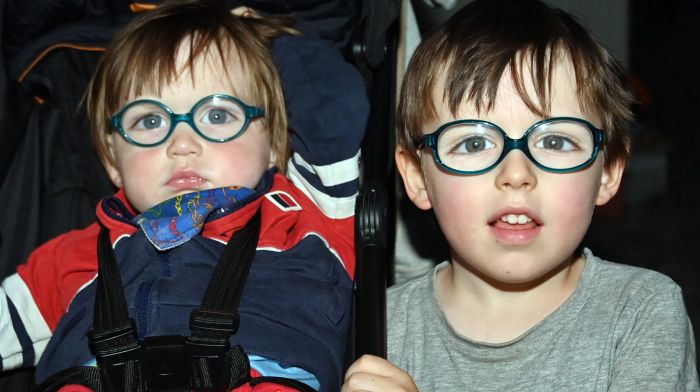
(512, 127)
(189, 118)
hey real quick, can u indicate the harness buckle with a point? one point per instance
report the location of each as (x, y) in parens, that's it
(118, 354)
(165, 365)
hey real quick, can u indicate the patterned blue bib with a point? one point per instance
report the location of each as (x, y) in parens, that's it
(174, 221)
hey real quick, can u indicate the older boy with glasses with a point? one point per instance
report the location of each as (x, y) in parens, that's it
(512, 127)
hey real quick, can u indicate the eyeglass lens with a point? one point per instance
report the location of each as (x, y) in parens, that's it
(476, 146)
(216, 118)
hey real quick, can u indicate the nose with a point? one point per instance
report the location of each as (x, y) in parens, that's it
(184, 141)
(516, 172)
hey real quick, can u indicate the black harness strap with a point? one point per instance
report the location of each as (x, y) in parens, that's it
(110, 302)
(114, 339)
(88, 376)
(217, 319)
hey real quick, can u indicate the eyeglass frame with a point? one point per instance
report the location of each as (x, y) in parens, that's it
(431, 139)
(251, 113)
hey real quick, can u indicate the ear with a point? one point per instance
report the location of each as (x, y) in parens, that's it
(110, 164)
(245, 12)
(610, 182)
(413, 179)
(273, 158)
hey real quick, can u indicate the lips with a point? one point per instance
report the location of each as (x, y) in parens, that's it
(186, 180)
(515, 227)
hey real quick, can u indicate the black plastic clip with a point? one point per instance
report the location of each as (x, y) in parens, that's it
(166, 366)
(208, 348)
(118, 354)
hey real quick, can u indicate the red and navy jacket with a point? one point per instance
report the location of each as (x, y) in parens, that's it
(295, 307)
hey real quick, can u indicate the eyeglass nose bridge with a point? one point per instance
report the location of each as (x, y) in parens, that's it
(515, 144)
(178, 118)
(186, 118)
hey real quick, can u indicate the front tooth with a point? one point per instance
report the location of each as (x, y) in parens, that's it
(513, 219)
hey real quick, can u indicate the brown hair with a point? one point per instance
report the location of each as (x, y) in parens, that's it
(475, 46)
(142, 57)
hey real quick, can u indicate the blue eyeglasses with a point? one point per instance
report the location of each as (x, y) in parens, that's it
(558, 144)
(217, 118)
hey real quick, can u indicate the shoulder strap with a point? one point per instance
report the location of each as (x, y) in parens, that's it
(114, 339)
(217, 319)
(225, 288)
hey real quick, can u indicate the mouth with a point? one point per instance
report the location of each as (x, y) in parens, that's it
(515, 222)
(515, 228)
(186, 180)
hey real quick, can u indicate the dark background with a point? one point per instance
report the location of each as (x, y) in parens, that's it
(653, 225)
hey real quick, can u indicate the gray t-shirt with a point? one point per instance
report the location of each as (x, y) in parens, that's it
(623, 329)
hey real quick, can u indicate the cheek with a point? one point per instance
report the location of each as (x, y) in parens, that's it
(458, 202)
(141, 175)
(241, 163)
(574, 201)
(139, 163)
(572, 197)
(449, 192)
(453, 196)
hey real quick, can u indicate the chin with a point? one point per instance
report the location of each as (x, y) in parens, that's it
(522, 278)
(517, 273)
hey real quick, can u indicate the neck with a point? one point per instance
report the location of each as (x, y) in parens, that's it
(496, 312)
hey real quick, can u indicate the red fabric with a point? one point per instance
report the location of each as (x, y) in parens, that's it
(74, 388)
(70, 260)
(283, 230)
(263, 387)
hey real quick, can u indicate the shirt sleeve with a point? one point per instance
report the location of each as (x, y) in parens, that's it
(328, 109)
(23, 331)
(657, 352)
(34, 299)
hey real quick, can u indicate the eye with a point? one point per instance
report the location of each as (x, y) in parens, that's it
(148, 122)
(472, 145)
(556, 143)
(218, 116)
